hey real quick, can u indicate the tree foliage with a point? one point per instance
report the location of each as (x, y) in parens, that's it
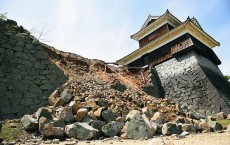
(227, 77)
(3, 16)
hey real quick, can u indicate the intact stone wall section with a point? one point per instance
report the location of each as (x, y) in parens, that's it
(184, 80)
(27, 77)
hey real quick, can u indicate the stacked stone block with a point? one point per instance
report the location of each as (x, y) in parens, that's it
(190, 80)
(27, 77)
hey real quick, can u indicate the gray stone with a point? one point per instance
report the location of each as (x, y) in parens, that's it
(35, 89)
(150, 128)
(87, 120)
(131, 114)
(81, 131)
(66, 95)
(53, 132)
(189, 128)
(108, 115)
(171, 128)
(67, 114)
(215, 126)
(29, 123)
(43, 112)
(41, 55)
(112, 128)
(137, 128)
(42, 122)
(98, 124)
(58, 122)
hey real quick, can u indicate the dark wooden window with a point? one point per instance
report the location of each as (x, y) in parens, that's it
(155, 34)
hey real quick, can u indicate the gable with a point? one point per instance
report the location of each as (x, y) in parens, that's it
(149, 20)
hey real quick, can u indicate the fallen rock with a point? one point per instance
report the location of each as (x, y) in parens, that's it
(221, 115)
(120, 119)
(112, 128)
(56, 123)
(179, 110)
(131, 114)
(211, 118)
(91, 103)
(59, 102)
(98, 124)
(53, 97)
(29, 123)
(228, 117)
(53, 132)
(228, 128)
(67, 115)
(108, 115)
(171, 128)
(180, 119)
(87, 120)
(151, 130)
(91, 115)
(189, 128)
(81, 113)
(81, 131)
(215, 126)
(98, 112)
(66, 96)
(137, 128)
(75, 106)
(157, 116)
(43, 112)
(203, 125)
(146, 111)
(42, 122)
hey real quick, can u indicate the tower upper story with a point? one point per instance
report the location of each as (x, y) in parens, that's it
(170, 35)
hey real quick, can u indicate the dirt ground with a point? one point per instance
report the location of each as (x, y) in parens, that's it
(198, 139)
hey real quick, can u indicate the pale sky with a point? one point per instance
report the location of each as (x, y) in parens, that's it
(101, 29)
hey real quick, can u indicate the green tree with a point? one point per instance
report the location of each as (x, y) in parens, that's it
(227, 77)
(3, 16)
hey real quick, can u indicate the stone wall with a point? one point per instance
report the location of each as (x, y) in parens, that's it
(195, 82)
(27, 77)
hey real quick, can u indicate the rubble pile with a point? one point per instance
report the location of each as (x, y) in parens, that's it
(100, 101)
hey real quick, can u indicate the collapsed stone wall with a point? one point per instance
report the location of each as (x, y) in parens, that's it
(27, 77)
(195, 82)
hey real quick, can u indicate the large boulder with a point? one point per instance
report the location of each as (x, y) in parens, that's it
(215, 126)
(151, 128)
(131, 114)
(108, 115)
(42, 122)
(43, 112)
(137, 128)
(67, 115)
(112, 128)
(81, 131)
(171, 128)
(56, 123)
(98, 124)
(53, 132)
(189, 128)
(29, 123)
(203, 125)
